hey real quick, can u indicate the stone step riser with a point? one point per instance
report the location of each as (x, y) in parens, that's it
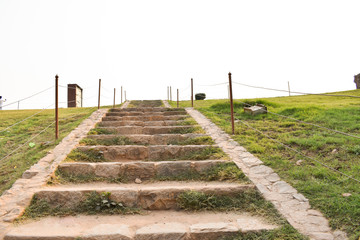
(157, 225)
(159, 139)
(139, 123)
(142, 170)
(155, 198)
(147, 130)
(145, 114)
(145, 118)
(133, 152)
(156, 109)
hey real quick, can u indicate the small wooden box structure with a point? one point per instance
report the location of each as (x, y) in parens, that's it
(257, 109)
(75, 96)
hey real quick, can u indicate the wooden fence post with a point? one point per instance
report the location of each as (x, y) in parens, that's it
(99, 94)
(56, 107)
(170, 94)
(177, 98)
(192, 93)
(231, 106)
(114, 97)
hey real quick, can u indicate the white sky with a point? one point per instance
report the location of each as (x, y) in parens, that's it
(146, 46)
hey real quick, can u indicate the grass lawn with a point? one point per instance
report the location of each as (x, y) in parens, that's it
(11, 168)
(322, 186)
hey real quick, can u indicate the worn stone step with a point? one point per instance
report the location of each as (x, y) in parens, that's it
(140, 123)
(157, 139)
(145, 118)
(149, 109)
(160, 225)
(122, 114)
(148, 129)
(148, 196)
(130, 171)
(138, 152)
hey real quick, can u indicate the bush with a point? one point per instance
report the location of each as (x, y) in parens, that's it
(200, 96)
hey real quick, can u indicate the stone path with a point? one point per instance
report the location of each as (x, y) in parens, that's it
(147, 156)
(293, 205)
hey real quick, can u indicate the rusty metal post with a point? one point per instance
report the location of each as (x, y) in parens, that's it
(192, 93)
(99, 93)
(231, 106)
(114, 97)
(56, 107)
(178, 98)
(170, 94)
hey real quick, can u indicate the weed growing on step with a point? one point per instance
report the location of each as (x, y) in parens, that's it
(220, 172)
(62, 177)
(185, 130)
(187, 121)
(210, 153)
(204, 140)
(145, 103)
(100, 131)
(118, 140)
(94, 203)
(90, 155)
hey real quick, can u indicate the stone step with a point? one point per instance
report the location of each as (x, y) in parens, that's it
(145, 118)
(138, 152)
(150, 109)
(160, 225)
(157, 139)
(148, 129)
(169, 113)
(148, 196)
(140, 123)
(129, 171)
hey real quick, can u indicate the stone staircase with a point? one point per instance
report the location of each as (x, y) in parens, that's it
(126, 181)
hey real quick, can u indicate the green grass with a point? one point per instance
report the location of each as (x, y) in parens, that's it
(100, 131)
(145, 103)
(322, 186)
(13, 167)
(228, 172)
(94, 155)
(119, 140)
(250, 201)
(94, 203)
(185, 130)
(89, 155)
(205, 140)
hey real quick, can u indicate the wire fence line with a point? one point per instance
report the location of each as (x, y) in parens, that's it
(211, 85)
(31, 138)
(287, 91)
(27, 118)
(35, 94)
(308, 123)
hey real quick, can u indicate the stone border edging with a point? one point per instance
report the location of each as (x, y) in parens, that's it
(291, 204)
(14, 200)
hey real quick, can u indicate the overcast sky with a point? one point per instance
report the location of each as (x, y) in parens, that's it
(146, 46)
